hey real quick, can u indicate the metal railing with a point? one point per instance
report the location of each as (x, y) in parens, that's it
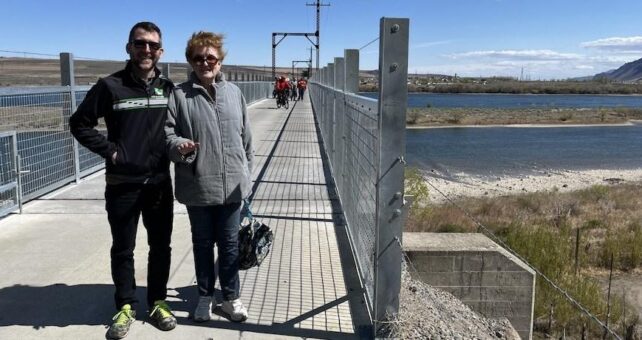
(9, 188)
(364, 140)
(38, 154)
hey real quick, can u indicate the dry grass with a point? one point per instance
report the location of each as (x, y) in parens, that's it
(542, 227)
(492, 116)
(609, 219)
(598, 211)
(32, 117)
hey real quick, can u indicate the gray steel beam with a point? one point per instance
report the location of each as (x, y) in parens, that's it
(339, 119)
(352, 70)
(393, 99)
(166, 70)
(339, 74)
(67, 79)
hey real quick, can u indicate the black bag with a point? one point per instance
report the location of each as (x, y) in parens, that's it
(255, 240)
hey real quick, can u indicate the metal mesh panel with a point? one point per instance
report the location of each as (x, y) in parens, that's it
(45, 145)
(40, 117)
(8, 180)
(89, 161)
(349, 126)
(255, 90)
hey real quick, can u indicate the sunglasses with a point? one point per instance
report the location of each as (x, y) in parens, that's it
(139, 43)
(200, 60)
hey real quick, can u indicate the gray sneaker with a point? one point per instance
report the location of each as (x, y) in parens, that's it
(122, 321)
(235, 310)
(203, 311)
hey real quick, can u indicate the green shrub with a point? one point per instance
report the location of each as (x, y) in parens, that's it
(626, 247)
(594, 193)
(452, 228)
(416, 186)
(551, 252)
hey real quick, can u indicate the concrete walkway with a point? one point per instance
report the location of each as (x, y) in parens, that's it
(55, 281)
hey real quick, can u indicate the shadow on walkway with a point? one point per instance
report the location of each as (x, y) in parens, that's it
(60, 305)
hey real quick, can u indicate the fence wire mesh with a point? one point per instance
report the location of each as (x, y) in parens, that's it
(8, 180)
(44, 143)
(349, 126)
(40, 119)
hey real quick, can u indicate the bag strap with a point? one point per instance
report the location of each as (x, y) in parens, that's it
(246, 211)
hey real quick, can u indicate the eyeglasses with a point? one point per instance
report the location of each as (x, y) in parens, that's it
(200, 60)
(139, 43)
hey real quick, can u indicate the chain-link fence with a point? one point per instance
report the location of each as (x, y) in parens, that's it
(38, 154)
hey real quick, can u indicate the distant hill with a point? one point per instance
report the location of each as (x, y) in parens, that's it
(628, 73)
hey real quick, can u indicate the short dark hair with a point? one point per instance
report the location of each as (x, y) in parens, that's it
(147, 26)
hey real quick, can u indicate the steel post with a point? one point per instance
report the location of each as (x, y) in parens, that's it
(331, 119)
(166, 70)
(352, 70)
(339, 117)
(393, 98)
(67, 79)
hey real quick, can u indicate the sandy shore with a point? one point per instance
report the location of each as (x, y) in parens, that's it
(464, 185)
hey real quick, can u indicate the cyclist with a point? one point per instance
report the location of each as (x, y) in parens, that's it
(281, 88)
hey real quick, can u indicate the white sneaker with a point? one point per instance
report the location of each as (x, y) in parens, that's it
(235, 310)
(203, 311)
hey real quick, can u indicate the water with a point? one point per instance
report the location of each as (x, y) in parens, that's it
(497, 151)
(517, 100)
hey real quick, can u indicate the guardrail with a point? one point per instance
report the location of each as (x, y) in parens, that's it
(37, 151)
(364, 140)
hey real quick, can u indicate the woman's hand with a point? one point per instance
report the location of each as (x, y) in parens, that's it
(187, 147)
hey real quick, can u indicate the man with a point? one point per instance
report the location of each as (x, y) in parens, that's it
(302, 85)
(133, 103)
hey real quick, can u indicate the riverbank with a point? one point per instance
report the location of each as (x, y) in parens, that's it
(442, 188)
(570, 225)
(464, 117)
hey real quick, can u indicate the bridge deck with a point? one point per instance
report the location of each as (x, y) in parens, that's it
(56, 282)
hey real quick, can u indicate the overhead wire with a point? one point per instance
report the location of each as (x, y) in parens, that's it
(368, 44)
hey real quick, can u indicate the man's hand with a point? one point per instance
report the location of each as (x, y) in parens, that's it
(113, 157)
(187, 147)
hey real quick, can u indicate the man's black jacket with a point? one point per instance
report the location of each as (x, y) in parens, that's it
(135, 114)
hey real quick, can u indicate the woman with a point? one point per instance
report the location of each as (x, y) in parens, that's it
(209, 140)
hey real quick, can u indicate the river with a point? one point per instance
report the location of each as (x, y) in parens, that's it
(491, 151)
(520, 150)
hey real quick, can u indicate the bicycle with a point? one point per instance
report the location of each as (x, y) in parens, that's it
(282, 100)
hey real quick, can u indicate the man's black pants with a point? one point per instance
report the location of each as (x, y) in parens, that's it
(124, 204)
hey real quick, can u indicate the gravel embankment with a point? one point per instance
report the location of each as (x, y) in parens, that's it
(428, 313)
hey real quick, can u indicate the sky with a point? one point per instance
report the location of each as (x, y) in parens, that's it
(533, 39)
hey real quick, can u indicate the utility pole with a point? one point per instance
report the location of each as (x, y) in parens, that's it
(310, 64)
(307, 35)
(295, 62)
(521, 77)
(318, 4)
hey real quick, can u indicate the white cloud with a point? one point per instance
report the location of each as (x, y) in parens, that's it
(429, 44)
(543, 69)
(521, 55)
(540, 64)
(616, 44)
